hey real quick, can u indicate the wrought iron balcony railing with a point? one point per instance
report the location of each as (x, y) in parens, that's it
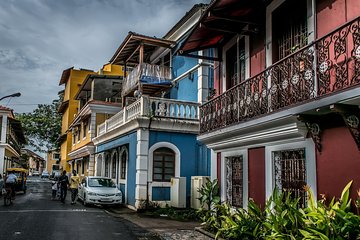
(146, 73)
(151, 107)
(326, 66)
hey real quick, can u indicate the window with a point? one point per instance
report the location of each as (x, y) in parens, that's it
(235, 64)
(123, 165)
(113, 166)
(107, 166)
(56, 155)
(290, 31)
(78, 134)
(163, 165)
(234, 178)
(290, 172)
(84, 129)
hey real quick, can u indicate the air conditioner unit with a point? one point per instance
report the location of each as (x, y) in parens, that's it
(178, 192)
(196, 183)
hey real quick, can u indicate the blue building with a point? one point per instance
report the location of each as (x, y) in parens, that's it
(153, 138)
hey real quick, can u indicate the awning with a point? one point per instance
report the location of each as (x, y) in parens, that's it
(128, 50)
(222, 20)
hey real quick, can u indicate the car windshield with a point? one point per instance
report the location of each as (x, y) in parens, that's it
(101, 182)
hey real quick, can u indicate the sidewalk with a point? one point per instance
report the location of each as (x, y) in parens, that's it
(164, 228)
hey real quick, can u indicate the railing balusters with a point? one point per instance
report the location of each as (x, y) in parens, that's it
(328, 65)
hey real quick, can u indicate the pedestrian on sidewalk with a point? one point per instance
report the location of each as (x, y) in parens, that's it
(64, 184)
(54, 189)
(74, 184)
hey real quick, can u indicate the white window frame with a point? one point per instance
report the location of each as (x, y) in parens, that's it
(310, 163)
(229, 45)
(223, 187)
(269, 11)
(122, 151)
(151, 160)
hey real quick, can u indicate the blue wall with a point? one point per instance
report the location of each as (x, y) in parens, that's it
(130, 140)
(194, 157)
(160, 193)
(186, 88)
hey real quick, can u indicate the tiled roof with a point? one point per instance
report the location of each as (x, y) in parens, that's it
(5, 108)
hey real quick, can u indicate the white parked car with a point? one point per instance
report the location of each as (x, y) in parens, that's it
(99, 190)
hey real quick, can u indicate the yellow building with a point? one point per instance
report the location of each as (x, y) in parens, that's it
(72, 78)
(52, 161)
(99, 98)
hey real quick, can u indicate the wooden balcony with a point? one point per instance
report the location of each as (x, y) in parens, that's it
(151, 107)
(327, 66)
(152, 78)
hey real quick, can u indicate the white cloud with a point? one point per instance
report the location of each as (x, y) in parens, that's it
(40, 38)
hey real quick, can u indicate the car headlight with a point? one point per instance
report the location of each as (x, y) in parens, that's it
(91, 194)
(118, 194)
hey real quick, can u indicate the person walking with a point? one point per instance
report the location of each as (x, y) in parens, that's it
(64, 183)
(74, 184)
(54, 189)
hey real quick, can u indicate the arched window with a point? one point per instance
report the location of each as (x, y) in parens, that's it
(123, 165)
(107, 165)
(163, 164)
(113, 166)
(98, 165)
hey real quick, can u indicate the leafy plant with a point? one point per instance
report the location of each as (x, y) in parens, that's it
(282, 218)
(209, 194)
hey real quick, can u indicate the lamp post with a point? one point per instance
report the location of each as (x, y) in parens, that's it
(11, 95)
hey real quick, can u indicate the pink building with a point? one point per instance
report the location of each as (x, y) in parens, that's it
(286, 109)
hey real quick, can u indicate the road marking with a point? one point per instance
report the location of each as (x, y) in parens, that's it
(50, 210)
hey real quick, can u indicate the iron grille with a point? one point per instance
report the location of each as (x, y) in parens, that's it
(235, 180)
(293, 39)
(290, 173)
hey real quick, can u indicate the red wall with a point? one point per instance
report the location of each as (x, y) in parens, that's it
(333, 13)
(256, 160)
(338, 163)
(257, 54)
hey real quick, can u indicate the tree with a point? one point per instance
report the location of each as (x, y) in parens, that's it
(42, 127)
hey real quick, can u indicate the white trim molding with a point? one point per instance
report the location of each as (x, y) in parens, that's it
(223, 187)
(310, 163)
(151, 159)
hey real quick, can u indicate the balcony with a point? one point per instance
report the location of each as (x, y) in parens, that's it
(327, 66)
(151, 107)
(153, 78)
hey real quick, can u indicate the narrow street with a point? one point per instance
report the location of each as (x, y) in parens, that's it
(35, 216)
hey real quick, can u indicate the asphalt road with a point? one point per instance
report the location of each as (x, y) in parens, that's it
(35, 216)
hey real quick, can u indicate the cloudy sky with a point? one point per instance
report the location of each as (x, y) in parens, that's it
(41, 38)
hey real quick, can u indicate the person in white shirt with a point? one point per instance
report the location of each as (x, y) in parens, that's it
(11, 179)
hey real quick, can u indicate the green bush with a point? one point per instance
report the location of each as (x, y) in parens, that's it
(281, 217)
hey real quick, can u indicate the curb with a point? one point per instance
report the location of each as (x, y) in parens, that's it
(206, 233)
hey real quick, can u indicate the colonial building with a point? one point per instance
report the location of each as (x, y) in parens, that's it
(53, 160)
(99, 98)
(286, 112)
(35, 161)
(11, 139)
(153, 138)
(72, 79)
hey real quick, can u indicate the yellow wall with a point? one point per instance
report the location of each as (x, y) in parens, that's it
(110, 69)
(50, 161)
(83, 141)
(72, 85)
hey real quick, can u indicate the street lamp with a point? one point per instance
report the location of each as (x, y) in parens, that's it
(11, 95)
